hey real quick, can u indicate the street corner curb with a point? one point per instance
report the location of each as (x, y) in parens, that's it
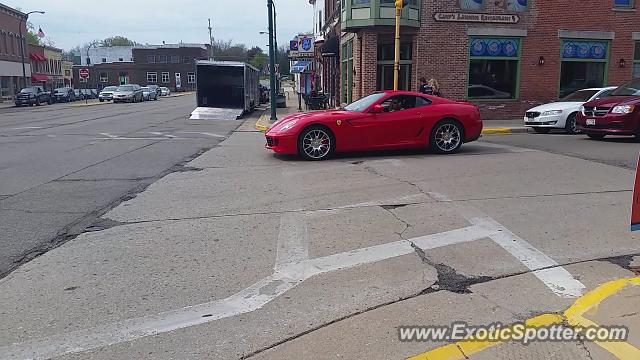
(505, 130)
(89, 104)
(262, 123)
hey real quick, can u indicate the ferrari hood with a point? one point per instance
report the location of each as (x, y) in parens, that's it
(305, 118)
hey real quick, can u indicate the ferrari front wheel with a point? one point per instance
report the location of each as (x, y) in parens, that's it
(316, 143)
(446, 137)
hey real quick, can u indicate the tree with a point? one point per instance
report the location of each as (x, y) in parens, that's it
(283, 61)
(32, 37)
(251, 53)
(117, 41)
(260, 61)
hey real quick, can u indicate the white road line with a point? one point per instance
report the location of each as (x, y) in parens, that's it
(203, 133)
(293, 240)
(156, 133)
(27, 128)
(109, 135)
(547, 270)
(292, 268)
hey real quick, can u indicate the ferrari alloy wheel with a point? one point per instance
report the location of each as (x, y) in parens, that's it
(316, 143)
(446, 137)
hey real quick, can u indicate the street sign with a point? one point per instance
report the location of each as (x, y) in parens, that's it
(635, 202)
(84, 73)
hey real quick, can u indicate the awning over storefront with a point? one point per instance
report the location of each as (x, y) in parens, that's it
(331, 47)
(37, 57)
(300, 66)
(39, 77)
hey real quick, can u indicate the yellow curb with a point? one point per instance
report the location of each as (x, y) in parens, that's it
(502, 130)
(259, 125)
(90, 104)
(573, 315)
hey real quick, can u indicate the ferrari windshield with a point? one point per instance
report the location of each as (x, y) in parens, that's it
(363, 103)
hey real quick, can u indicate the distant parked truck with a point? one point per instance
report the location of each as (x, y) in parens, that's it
(227, 85)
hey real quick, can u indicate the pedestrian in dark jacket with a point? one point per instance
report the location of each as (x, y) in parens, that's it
(425, 88)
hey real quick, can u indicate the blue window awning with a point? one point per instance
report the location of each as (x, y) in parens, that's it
(299, 67)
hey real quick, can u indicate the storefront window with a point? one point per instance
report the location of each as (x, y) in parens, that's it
(636, 61)
(361, 2)
(493, 68)
(386, 55)
(584, 65)
(517, 5)
(471, 4)
(347, 72)
(623, 3)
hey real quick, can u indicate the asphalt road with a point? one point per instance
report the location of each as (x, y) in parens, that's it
(61, 167)
(258, 256)
(613, 150)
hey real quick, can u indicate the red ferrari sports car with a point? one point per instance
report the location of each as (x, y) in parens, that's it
(382, 120)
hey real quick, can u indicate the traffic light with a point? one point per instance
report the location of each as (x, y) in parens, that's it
(401, 4)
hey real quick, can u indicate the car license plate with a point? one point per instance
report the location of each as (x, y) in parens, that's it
(591, 121)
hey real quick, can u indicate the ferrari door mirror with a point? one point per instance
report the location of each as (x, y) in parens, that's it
(377, 109)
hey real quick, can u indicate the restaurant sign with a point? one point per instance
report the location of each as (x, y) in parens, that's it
(477, 18)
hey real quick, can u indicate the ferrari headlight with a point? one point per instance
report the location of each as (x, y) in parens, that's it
(551, 112)
(623, 109)
(287, 126)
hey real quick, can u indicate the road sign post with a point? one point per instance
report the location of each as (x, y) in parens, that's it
(84, 74)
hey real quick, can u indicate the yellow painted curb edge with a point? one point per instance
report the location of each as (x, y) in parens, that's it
(497, 130)
(573, 315)
(259, 125)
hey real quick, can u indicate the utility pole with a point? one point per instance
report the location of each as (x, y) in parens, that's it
(396, 59)
(211, 39)
(22, 44)
(272, 66)
(275, 41)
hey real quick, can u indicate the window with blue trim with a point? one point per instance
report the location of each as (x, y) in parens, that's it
(517, 5)
(584, 65)
(623, 3)
(471, 4)
(493, 68)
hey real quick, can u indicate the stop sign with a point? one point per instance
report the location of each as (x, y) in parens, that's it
(84, 73)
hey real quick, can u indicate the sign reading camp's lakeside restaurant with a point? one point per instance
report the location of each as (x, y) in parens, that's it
(477, 18)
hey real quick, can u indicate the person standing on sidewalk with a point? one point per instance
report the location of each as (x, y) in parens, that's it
(425, 88)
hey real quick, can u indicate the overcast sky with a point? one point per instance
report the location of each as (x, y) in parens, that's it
(69, 23)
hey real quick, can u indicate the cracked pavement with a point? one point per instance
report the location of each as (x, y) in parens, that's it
(256, 256)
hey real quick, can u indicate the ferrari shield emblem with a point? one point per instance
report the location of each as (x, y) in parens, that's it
(339, 122)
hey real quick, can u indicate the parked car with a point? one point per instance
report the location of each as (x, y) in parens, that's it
(264, 93)
(128, 93)
(107, 93)
(78, 94)
(382, 120)
(65, 94)
(33, 95)
(149, 94)
(156, 88)
(617, 114)
(563, 113)
(88, 93)
(165, 91)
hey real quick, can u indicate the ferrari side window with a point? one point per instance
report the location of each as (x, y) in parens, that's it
(420, 102)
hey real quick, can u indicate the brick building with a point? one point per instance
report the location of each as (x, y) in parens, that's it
(46, 66)
(326, 31)
(169, 65)
(505, 55)
(10, 54)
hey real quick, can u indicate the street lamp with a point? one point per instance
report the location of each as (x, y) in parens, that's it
(272, 64)
(22, 44)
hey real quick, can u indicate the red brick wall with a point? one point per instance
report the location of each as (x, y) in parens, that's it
(538, 84)
(441, 49)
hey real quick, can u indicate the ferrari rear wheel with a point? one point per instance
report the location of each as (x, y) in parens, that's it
(316, 143)
(446, 137)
